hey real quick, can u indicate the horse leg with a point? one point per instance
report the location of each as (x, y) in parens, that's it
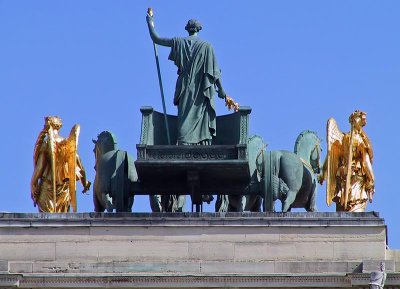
(109, 203)
(155, 203)
(97, 204)
(222, 204)
(290, 188)
(180, 203)
(129, 203)
(290, 197)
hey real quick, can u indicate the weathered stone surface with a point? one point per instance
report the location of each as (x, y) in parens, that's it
(272, 250)
(369, 266)
(353, 251)
(265, 251)
(21, 267)
(3, 266)
(25, 251)
(393, 255)
(211, 251)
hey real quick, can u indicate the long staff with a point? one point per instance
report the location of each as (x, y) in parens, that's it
(349, 171)
(53, 167)
(150, 13)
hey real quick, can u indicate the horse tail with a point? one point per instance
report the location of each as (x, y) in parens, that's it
(311, 205)
(271, 171)
(118, 183)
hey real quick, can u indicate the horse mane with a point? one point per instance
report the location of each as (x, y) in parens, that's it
(300, 138)
(107, 138)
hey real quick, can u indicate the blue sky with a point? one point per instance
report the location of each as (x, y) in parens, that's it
(296, 63)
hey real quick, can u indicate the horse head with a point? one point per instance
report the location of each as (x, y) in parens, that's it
(105, 142)
(308, 147)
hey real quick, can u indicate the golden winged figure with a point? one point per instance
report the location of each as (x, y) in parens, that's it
(57, 167)
(348, 165)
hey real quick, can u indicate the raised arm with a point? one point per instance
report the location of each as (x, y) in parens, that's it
(38, 172)
(153, 34)
(82, 177)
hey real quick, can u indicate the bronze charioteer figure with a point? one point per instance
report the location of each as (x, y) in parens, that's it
(199, 77)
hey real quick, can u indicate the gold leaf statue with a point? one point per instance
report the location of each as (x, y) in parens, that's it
(57, 167)
(348, 166)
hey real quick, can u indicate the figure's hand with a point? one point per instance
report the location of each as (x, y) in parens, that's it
(231, 104)
(150, 12)
(149, 17)
(221, 93)
(34, 192)
(86, 187)
(320, 179)
(370, 188)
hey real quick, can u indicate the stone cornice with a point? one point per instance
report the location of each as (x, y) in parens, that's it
(297, 219)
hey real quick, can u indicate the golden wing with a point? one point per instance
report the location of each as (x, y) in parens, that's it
(334, 139)
(71, 152)
(38, 145)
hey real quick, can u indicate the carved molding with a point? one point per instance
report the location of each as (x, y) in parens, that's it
(192, 153)
(173, 281)
(9, 281)
(185, 281)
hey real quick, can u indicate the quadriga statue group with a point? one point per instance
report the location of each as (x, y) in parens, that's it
(290, 177)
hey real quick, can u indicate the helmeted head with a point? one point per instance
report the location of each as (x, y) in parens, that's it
(193, 26)
(54, 121)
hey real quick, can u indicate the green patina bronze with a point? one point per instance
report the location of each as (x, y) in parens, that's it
(199, 78)
(291, 176)
(115, 172)
(278, 175)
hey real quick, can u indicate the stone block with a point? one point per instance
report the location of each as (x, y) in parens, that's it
(265, 251)
(21, 251)
(393, 255)
(115, 267)
(42, 234)
(3, 266)
(332, 234)
(352, 251)
(211, 251)
(187, 234)
(76, 251)
(315, 251)
(237, 267)
(305, 267)
(369, 266)
(149, 267)
(21, 267)
(141, 251)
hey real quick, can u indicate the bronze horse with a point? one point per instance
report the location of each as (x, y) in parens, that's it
(291, 177)
(284, 175)
(115, 172)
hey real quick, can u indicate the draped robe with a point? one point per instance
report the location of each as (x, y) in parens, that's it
(197, 73)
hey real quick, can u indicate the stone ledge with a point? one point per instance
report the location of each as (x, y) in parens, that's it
(199, 267)
(166, 280)
(182, 281)
(297, 219)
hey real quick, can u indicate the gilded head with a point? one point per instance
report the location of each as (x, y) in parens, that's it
(193, 26)
(358, 118)
(53, 121)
